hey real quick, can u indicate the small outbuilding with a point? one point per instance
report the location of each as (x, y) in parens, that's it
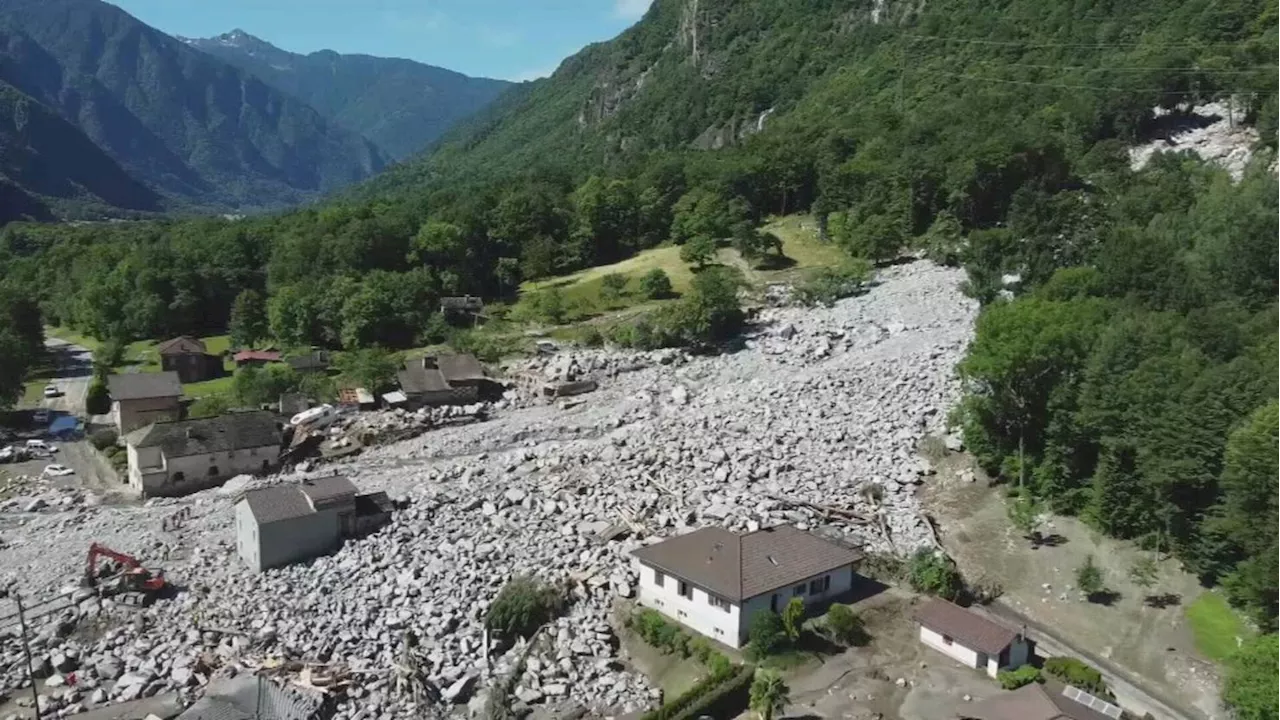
(284, 524)
(257, 358)
(190, 358)
(973, 640)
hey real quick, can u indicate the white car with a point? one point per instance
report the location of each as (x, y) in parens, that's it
(58, 470)
(51, 391)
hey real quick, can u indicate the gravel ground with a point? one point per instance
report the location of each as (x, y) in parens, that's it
(820, 406)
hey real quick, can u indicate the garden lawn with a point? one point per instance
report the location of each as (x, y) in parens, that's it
(1215, 626)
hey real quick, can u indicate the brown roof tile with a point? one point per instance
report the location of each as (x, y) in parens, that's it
(965, 627)
(737, 567)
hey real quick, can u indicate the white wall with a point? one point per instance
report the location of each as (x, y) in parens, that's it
(196, 469)
(247, 541)
(697, 613)
(841, 582)
(1019, 653)
(965, 656)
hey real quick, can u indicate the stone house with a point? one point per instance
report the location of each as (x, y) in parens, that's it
(284, 524)
(971, 639)
(442, 380)
(190, 358)
(1048, 701)
(176, 458)
(139, 399)
(716, 581)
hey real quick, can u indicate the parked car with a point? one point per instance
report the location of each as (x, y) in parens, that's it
(6, 454)
(52, 391)
(40, 446)
(40, 416)
(58, 470)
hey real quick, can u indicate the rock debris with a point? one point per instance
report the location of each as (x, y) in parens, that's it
(820, 407)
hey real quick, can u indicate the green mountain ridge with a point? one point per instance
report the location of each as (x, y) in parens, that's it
(201, 132)
(400, 105)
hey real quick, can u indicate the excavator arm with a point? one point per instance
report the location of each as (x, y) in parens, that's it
(145, 579)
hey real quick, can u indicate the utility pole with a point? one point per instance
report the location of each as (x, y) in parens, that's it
(26, 648)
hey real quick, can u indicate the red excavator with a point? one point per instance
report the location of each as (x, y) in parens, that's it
(125, 579)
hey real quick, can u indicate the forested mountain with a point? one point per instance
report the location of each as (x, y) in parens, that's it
(46, 163)
(400, 105)
(1129, 379)
(198, 130)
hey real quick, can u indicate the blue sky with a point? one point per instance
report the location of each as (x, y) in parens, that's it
(510, 39)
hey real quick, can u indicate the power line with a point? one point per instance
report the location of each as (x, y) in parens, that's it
(1070, 86)
(1026, 44)
(1090, 68)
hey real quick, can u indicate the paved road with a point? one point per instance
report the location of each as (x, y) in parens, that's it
(74, 373)
(1129, 690)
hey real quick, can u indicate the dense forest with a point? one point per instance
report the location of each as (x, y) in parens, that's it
(1133, 379)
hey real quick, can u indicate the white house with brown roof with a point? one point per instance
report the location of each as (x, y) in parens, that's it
(716, 581)
(971, 639)
(184, 456)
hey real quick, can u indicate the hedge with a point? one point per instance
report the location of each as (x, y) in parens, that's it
(670, 638)
(718, 687)
(1076, 673)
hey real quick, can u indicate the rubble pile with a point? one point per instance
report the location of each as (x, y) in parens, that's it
(815, 422)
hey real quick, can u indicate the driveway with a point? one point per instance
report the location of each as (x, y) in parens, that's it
(1131, 694)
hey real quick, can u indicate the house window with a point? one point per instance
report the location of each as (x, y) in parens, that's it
(179, 477)
(815, 586)
(798, 590)
(946, 640)
(682, 613)
(213, 470)
(719, 631)
(826, 583)
(718, 602)
(659, 578)
(685, 591)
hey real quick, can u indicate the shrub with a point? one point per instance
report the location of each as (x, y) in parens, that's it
(769, 694)
(1077, 674)
(827, 285)
(210, 406)
(932, 572)
(522, 606)
(103, 439)
(766, 635)
(1089, 577)
(710, 691)
(655, 284)
(700, 648)
(612, 286)
(793, 618)
(98, 399)
(845, 626)
(590, 337)
(1014, 679)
